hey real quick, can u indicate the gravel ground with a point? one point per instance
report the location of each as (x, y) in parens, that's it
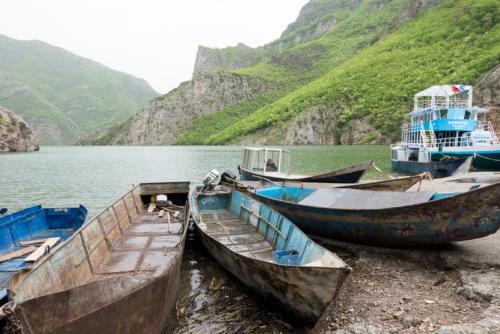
(441, 290)
(387, 294)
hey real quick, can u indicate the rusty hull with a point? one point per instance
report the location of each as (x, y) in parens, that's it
(399, 184)
(470, 215)
(350, 174)
(119, 273)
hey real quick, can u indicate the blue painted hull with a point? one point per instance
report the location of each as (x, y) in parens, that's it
(437, 169)
(485, 160)
(469, 215)
(32, 224)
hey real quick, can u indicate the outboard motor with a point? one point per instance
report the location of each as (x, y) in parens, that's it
(227, 177)
(209, 179)
(161, 201)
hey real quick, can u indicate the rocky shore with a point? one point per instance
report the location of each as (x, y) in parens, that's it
(15, 134)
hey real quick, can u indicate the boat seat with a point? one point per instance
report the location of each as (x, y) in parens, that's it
(353, 199)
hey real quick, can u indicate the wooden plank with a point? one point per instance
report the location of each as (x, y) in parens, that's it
(18, 253)
(152, 207)
(38, 253)
(161, 213)
(32, 242)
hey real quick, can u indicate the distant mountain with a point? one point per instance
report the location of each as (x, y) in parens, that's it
(62, 95)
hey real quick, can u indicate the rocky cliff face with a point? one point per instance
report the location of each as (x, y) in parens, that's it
(15, 134)
(487, 95)
(165, 119)
(231, 58)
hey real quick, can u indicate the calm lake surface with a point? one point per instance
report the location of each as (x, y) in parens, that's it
(96, 176)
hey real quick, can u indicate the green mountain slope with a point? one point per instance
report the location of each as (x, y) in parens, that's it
(62, 95)
(455, 42)
(358, 24)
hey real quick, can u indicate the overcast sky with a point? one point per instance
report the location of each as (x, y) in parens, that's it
(153, 40)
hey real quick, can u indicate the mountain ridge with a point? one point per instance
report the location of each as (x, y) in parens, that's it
(63, 95)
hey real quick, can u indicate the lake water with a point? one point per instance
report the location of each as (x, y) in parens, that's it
(96, 176)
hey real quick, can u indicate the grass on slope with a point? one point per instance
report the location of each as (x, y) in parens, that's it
(301, 64)
(50, 85)
(208, 125)
(455, 42)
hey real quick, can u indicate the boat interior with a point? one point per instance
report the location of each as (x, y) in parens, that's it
(349, 199)
(128, 238)
(22, 232)
(253, 230)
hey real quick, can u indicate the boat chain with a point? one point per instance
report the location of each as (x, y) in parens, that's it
(13, 324)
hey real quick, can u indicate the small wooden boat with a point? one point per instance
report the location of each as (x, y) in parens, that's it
(34, 229)
(118, 273)
(273, 164)
(387, 218)
(247, 239)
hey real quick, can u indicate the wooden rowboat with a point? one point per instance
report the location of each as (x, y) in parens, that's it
(273, 164)
(387, 218)
(119, 273)
(243, 236)
(31, 230)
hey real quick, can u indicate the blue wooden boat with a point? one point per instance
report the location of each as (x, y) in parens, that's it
(267, 252)
(118, 273)
(28, 229)
(387, 218)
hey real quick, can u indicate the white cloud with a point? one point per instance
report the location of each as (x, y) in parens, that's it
(154, 40)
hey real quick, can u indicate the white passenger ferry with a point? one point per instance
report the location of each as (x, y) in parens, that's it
(443, 125)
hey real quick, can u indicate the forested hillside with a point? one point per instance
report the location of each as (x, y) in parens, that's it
(62, 95)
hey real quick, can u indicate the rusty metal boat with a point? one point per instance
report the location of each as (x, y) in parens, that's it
(387, 218)
(267, 252)
(274, 164)
(118, 273)
(397, 184)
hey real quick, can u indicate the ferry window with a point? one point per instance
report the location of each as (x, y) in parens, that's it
(467, 114)
(444, 114)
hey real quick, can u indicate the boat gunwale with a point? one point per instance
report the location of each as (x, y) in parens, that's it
(458, 196)
(305, 178)
(344, 267)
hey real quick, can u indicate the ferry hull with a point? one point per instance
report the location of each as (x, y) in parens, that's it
(437, 169)
(484, 160)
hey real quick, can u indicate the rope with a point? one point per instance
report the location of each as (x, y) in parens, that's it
(432, 183)
(13, 325)
(380, 171)
(482, 156)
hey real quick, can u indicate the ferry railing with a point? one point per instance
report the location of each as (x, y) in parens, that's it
(442, 105)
